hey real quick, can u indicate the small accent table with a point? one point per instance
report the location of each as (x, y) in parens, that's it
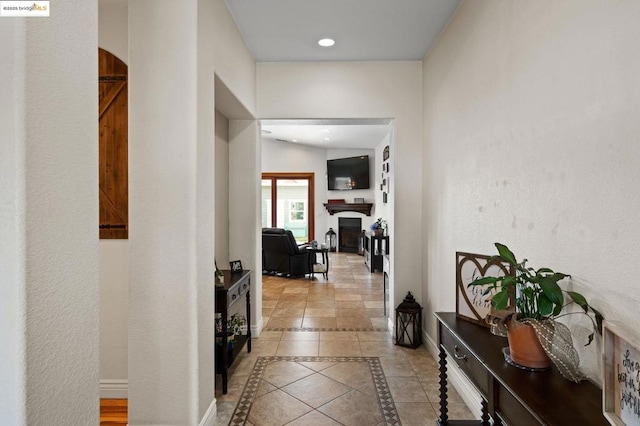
(374, 248)
(325, 261)
(235, 285)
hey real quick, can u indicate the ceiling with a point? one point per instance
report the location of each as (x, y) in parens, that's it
(364, 30)
(366, 134)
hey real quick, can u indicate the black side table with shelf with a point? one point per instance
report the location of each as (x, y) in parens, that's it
(324, 266)
(375, 247)
(235, 285)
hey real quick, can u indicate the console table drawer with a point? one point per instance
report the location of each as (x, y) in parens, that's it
(243, 287)
(233, 296)
(511, 411)
(237, 290)
(467, 362)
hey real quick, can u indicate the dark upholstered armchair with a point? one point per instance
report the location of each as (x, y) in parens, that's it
(281, 254)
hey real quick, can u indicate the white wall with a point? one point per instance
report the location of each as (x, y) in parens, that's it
(245, 236)
(171, 213)
(532, 139)
(383, 210)
(49, 217)
(113, 36)
(114, 317)
(12, 226)
(233, 62)
(234, 65)
(222, 191)
(204, 230)
(113, 27)
(363, 90)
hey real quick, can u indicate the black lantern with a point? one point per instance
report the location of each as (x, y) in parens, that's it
(331, 239)
(409, 323)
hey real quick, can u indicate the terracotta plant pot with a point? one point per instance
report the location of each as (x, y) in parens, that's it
(524, 346)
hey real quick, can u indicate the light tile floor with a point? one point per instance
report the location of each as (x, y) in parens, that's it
(412, 375)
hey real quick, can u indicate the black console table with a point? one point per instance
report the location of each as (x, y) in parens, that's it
(375, 246)
(235, 285)
(510, 395)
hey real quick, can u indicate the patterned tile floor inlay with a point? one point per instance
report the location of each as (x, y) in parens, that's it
(316, 390)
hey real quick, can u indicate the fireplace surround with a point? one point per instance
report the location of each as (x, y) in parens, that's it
(349, 229)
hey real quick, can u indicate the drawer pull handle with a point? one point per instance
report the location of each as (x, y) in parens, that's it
(458, 357)
(234, 296)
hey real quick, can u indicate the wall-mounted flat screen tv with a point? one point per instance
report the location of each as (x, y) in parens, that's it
(348, 173)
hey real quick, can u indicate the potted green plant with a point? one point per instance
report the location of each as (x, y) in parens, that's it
(219, 343)
(238, 324)
(378, 226)
(539, 301)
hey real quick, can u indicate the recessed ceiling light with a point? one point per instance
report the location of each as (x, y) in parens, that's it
(326, 42)
(327, 131)
(294, 140)
(327, 139)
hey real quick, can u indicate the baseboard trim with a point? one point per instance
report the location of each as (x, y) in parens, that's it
(209, 418)
(257, 329)
(457, 379)
(114, 389)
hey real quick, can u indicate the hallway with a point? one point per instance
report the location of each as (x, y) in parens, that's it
(324, 359)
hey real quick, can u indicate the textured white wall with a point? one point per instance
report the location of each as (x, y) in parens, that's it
(205, 215)
(164, 240)
(113, 36)
(114, 317)
(219, 40)
(49, 212)
(532, 139)
(234, 64)
(363, 90)
(382, 210)
(222, 191)
(245, 232)
(13, 280)
(113, 27)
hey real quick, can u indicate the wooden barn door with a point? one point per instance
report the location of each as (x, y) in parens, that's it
(114, 129)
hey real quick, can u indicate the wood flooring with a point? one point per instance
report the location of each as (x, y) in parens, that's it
(113, 412)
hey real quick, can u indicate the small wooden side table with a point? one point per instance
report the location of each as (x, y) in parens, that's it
(235, 286)
(325, 261)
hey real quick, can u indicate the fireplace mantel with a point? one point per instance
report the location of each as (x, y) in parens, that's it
(364, 208)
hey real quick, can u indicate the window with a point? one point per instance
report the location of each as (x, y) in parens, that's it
(297, 211)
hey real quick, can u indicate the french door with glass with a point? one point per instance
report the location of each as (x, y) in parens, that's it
(287, 202)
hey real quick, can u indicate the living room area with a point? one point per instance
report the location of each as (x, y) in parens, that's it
(313, 162)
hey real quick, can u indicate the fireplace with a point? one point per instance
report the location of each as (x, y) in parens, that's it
(349, 229)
